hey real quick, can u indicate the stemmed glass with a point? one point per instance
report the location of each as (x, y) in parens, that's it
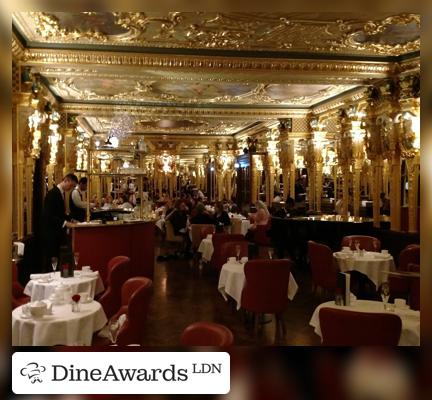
(238, 250)
(375, 245)
(76, 259)
(54, 262)
(113, 327)
(350, 244)
(270, 254)
(357, 245)
(385, 293)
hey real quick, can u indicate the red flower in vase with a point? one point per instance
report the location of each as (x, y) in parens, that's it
(76, 298)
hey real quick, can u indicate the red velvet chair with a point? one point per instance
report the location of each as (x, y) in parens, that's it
(414, 294)
(324, 273)
(399, 285)
(218, 240)
(206, 334)
(368, 243)
(261, 237)
(228, 249)
(18, 296)
(135, 301)
(266, 289)
(207, 230)
(104, 272)
(351, 328)
(117, 275)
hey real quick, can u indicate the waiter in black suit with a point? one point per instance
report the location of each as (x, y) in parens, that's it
(55, 218)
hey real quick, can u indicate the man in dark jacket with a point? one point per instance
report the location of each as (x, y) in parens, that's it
(55, 219)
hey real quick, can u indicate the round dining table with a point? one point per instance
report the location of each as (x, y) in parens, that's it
(62, 327)
(410, 335)
(41, 288)
(206, 249)
(374, 265)
(232, 280)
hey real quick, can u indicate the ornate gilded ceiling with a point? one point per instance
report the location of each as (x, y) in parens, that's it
(202, 74)
(338, 33)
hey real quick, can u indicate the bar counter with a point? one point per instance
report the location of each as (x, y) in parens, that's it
(97, 243)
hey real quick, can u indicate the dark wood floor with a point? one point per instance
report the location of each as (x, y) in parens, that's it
(184, 294)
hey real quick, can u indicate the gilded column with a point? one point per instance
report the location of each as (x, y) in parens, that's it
(344, 151)
(254, 178)
(310, 165)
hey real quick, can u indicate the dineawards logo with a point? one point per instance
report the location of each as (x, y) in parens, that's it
(121, 373)
(33, 371)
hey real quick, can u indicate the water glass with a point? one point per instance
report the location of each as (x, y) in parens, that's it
(76, 259)
(238, 250)
(54, 262)
(385, 293)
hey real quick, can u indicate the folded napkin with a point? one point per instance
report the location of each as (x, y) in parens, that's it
(105, 333)
(20, 248)
(40, 276)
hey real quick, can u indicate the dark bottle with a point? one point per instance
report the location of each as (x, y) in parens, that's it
(66, 261)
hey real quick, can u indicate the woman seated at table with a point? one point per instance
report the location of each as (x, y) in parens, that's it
(262, 215)
(107, 202)
(221, 217)
(199, 215)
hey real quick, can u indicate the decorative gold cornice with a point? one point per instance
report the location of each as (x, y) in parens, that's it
(408, 66)
(343, 100)
(56, 57)
(338, 34)
(18, 50)
(212, 112)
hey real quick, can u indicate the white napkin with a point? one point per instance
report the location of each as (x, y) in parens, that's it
(40, 276)
(20, 248)
(105, 333)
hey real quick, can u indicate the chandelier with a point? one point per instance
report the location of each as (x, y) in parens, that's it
(121, 126)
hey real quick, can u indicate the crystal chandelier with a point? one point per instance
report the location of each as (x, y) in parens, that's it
(120, 128)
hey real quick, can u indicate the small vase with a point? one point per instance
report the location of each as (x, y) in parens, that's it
(75, 306)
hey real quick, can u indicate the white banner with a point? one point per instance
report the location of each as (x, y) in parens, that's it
(120, 373)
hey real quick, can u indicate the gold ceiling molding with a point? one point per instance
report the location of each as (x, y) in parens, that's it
(254, 76)
(375, 69)
(300, 32)
(208, 112)
(335, 104)
(408, 66)
(145, 91)
(18, 50)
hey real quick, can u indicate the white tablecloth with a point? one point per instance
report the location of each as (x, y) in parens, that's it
(232, 279)
(160, 223)
(63, 327)
(91, 284)
(410, 335)
(245, 225)
(206, 249)
(372, 264)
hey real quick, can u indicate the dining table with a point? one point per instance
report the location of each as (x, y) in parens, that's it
(62, 327)
(232, 280)
(373, 264)
(206, 248)
(410, 335)
(42, 286)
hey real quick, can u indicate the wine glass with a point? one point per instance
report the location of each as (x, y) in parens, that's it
(113, 327)
(375, 245)
(54, 262)
(357, 245)
(350, 244)
(385, 293)
(270, 253)
(238, 250)
(76, 259)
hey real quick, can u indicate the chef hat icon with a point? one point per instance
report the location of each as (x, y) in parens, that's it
(33, 371)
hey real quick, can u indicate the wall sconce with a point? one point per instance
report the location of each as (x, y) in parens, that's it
(54, 137)
(411, 130)
(34, 122)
